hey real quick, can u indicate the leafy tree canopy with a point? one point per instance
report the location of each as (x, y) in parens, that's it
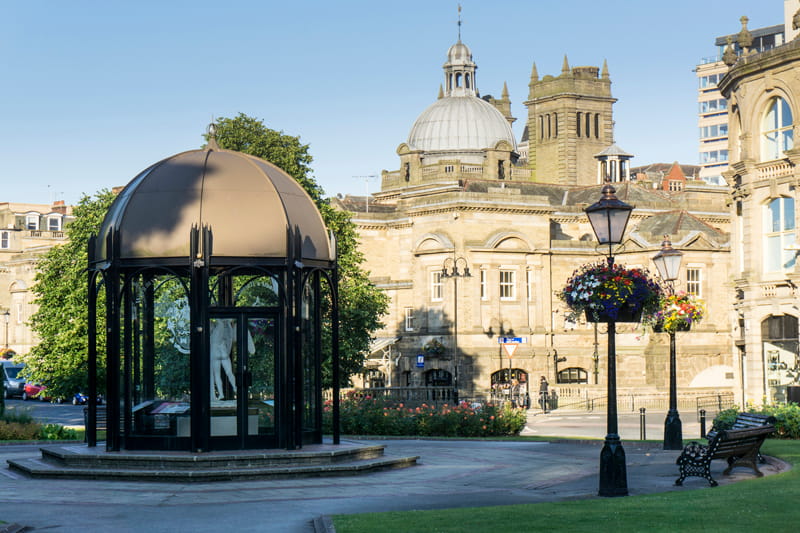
(361, 304)
(61, 320)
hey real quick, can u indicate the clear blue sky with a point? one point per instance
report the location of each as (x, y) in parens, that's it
(95, 91)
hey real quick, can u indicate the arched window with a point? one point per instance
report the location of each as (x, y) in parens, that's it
(572, 375)
(588, 125)
(578, 124)
(541, 127)
(458, 79)
(779, 235)
(597, 126)
(549, 127)
(555, 125)
(780, 349)
(438, 378)
(776, 129)
(467, 80)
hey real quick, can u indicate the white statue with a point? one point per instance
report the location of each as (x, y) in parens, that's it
(223, 334)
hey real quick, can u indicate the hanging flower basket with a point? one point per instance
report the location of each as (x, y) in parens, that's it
(433, 348)
(611, 293)
(678, 312)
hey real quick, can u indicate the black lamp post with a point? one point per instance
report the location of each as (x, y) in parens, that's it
(609, 217)
(668, 263)
(450, 269)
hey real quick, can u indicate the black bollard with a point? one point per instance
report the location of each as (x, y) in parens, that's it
(642, 425)
(702, 423)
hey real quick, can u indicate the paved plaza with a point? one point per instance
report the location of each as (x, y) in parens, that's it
(450, 473)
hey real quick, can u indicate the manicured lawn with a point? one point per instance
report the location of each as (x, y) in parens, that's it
(765, 504)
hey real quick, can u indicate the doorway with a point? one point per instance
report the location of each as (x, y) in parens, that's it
(242, 380)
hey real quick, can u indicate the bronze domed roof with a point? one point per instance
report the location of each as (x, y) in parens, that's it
(248, 203)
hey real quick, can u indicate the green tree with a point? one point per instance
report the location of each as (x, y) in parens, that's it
(61, 320)
(361, 304)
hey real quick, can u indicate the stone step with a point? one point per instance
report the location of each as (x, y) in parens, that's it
(81, 456)
(41, 468)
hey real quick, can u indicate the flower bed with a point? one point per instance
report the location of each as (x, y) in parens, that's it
(606, 292)
(378, 416)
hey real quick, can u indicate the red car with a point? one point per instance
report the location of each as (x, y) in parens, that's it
(34, 390)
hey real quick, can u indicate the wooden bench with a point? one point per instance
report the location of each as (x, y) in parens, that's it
(740, 447)
(102, 420)
(745, 421)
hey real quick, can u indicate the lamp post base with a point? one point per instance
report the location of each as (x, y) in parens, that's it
(613, 473)
(673, 431)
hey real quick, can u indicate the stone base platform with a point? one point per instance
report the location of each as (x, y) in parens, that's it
(81, 462)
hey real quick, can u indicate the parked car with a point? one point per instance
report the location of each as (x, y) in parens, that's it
(81, 399)
(13, 384)
(36, 390)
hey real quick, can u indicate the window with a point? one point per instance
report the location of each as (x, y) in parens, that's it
(484, 288)
(437, 288)
(54, 224)
(409, 318)
(374, 379)
(572, 375)
(713, 106)
(713, 156)
(579, 117)
(5, 240)
(694, 281)
(508, 285)
(675, 185)
(32, 222)
(776, 130)
(715, 130)
(779, 235)
(438, 378)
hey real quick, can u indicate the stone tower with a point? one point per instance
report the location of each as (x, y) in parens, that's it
(570, 119)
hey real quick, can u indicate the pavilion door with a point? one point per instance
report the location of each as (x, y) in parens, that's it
(242, 357)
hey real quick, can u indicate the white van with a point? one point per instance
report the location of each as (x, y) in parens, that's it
(13, 383)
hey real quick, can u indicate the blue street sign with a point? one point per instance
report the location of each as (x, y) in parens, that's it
(420, 361)
(512, 340)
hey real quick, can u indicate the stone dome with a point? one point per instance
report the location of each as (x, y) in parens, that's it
(249, 204)
(459, 53)
(459, 123)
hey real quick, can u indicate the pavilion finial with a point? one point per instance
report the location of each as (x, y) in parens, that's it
(212, 137)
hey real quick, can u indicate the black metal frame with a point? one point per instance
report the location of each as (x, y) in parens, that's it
(294, 275)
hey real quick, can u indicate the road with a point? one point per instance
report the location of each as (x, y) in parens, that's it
(50, 413)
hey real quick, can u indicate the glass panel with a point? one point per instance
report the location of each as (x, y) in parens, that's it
(773, 255)
(787, 140)
(261, 366)
(224, 359)
(310, 385)
(786, 113)
(256, 291)
(160, 362)
(775, 215)
(771, 117)
(788, 213)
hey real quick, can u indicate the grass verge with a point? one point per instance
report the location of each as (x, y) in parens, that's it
(758, 504)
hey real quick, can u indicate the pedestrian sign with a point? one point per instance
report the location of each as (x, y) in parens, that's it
(512, 340)
(420, 361)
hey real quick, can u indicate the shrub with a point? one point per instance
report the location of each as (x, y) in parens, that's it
(378, 416)
(787, 419)
(19, 425)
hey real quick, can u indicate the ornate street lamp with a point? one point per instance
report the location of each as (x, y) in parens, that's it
(609, 217)
(668, 263)
(455, 267)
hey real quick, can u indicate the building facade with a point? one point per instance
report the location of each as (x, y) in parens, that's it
(27, 231)
(473, 243)
(712, 111)
(763, 92)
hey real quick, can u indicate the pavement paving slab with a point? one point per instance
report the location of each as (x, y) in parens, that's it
(449, 474)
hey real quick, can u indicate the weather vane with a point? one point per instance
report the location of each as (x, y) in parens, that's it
(459, 22)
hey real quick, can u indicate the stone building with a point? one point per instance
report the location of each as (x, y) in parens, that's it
(27, 231)
(763, 92)
(465, 196)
